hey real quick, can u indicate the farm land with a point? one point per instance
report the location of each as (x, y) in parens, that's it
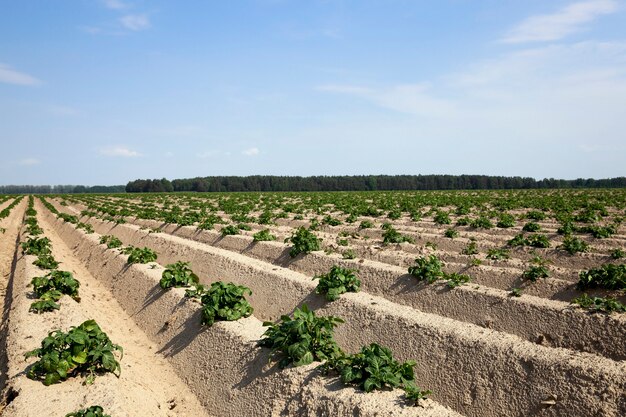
(439, 303)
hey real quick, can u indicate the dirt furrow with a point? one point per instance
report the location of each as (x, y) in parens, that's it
(224, 366)
(147, 386)
(565, 266)
(473, 370)
(8, 248)
(552, 323)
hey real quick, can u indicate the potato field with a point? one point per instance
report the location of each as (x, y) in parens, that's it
(434, 303)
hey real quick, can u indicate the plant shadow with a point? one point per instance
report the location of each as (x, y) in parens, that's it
(187, 332)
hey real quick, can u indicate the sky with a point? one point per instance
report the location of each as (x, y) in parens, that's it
(101, 92)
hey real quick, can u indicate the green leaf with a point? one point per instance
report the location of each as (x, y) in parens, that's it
(80, 358)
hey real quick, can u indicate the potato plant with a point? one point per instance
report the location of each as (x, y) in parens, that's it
(414, 394)
(505, 221)
(538, 241)
(93, 411)
(366, 224)
(47, 302)
(178, 274)
(46, 261)
(456, 279)
(600, 304)
(497, 254)
(139, 255)
(463, 221)
(573, 245)
(222, 302)
(391, 235)
(608, 276)
(33, 229)
(84, 350)
(534, 272)
(427, 269)
(302, 339)
(481, 222)
(372, 368)
(88, 228)
(111, 241)
(303, 241)
(230, 230)
(263, 236)
(441, 217)
(50, 288)
(531, 227)
(336, 282)
(599, 232)
(36, 246)
(535, 215)
(62, 281)
(470, 249)
(331, 221)
(535, 240)
(618, 253)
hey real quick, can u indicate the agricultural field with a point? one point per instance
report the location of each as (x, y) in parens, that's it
(439, 303)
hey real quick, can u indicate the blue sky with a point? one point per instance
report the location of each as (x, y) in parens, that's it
(106, 91)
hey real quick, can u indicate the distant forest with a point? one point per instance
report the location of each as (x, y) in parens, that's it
(363, 183)
(320, 183)
(60, 189)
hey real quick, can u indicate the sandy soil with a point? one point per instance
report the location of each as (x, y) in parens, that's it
(8, 239)
(148, 385)
(534, 317)
(248, 383)
(474, 370)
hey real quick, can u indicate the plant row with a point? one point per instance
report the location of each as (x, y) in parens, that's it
(303, 338)
(82, 351)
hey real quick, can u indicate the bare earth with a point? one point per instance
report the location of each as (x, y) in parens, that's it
(483, 352)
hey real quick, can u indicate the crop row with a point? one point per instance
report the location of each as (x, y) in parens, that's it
(350, 235)
(82, 350)
(225, 301)
(213, 261)
(536, 267)
(299, 340)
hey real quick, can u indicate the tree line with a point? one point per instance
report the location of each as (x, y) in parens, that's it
(362, 183)
(320, 183)
(60, 189)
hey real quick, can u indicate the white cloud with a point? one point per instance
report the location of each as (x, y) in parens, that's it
(11, 76)
(119, 151)
(558, 25)
(251, 151)
(406, 98)
(558, 95)
(92, 30)
(346, 89)
(115, 4)
(178, 131)
(29, 162)
(135, 22)
(62, 110)
(212, 154)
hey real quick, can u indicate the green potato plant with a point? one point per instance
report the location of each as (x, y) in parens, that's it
(336, 282)
(178, 274)
(302, 339)
(83, 350)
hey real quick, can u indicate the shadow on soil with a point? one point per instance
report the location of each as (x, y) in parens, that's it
(187, 332)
